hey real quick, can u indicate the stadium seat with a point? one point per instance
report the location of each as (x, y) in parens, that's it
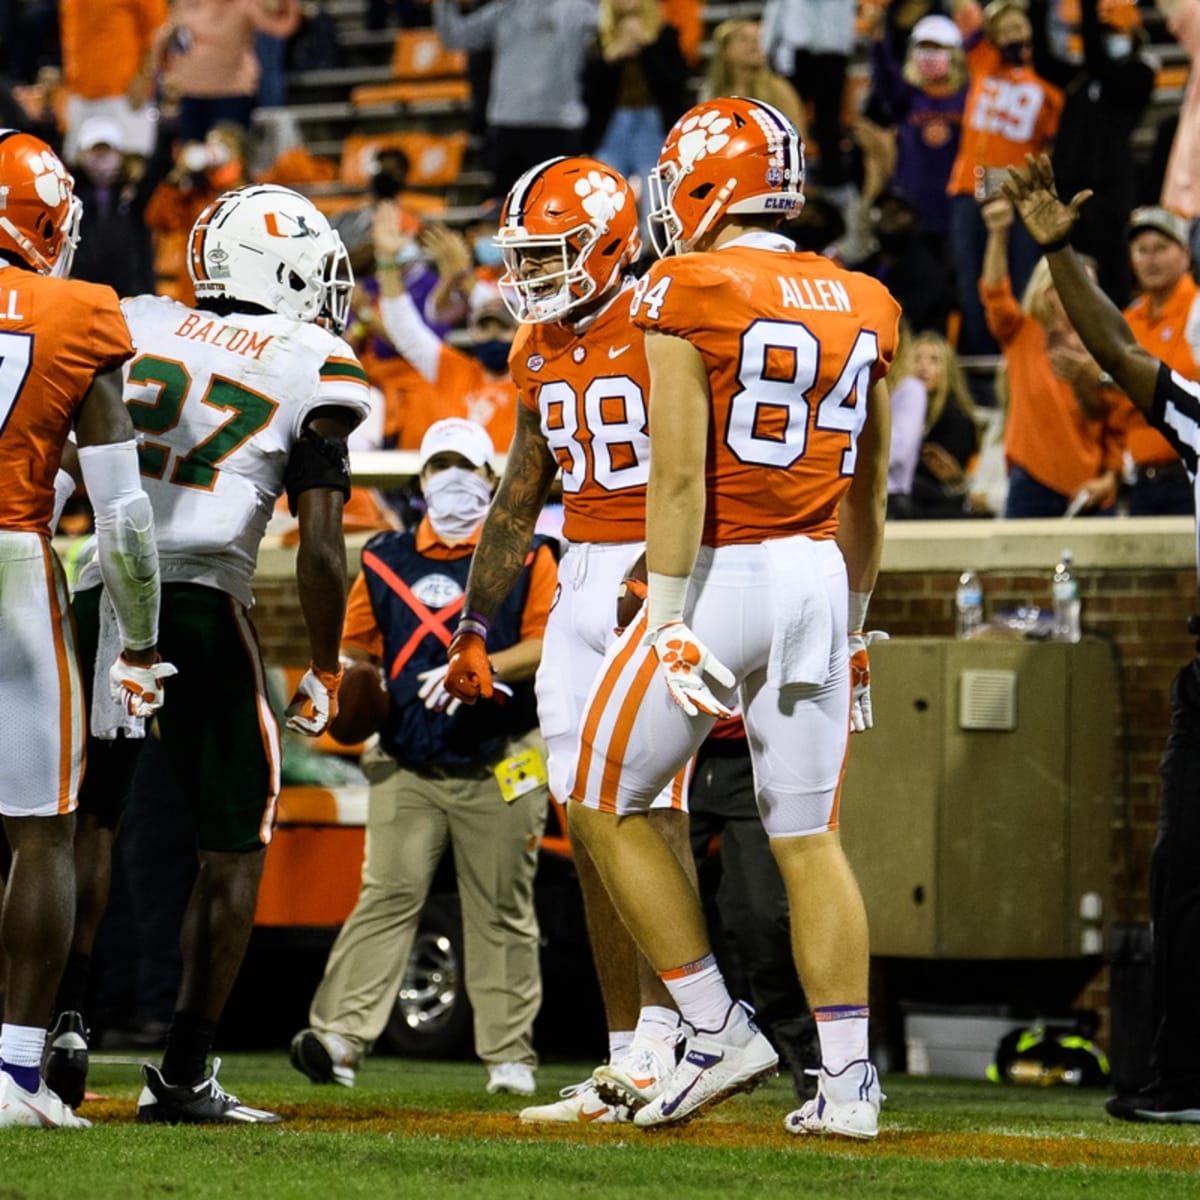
(400, 91)
(433, 161)
(419, 54)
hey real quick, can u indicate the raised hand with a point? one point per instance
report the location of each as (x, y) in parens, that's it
(1033, 193)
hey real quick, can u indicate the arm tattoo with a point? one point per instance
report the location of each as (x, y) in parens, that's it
(508, 530)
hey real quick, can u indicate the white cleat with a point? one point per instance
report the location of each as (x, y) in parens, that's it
(42, 1109)
(717, 1065)
(847, 1104)
(580, 1104)
(512, 1077)
(635, 1079)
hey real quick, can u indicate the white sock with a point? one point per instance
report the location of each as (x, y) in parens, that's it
(619, 1041)
(842, 1029)
(699, 991)
(22, 1045)
(656, 1023)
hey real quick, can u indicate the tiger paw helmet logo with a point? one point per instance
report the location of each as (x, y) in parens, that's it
(50, 178)
(703, 134)
(599, 196)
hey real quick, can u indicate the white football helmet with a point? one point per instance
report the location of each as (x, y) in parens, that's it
(273, 247)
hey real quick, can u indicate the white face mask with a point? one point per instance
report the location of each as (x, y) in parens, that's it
(456, 501)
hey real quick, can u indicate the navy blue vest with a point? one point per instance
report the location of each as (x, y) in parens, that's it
(417, 602)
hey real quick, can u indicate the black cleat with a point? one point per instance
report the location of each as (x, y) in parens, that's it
(1153, 1108)
(65, 1066)
(203, 1103)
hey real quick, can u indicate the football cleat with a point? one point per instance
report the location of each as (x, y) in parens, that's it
(580, 1104)
(65, 1066)
(323, 1057)
(633, 1080)
(715, 1065)
(38, 1110)
(203, 1103)
(847, 1104)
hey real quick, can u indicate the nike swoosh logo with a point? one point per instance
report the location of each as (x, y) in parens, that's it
(593, 1116)
(617, 351)
(643, 1083)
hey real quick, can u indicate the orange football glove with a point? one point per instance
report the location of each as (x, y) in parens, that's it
(861, 716)
(469, 672)
(684, 661)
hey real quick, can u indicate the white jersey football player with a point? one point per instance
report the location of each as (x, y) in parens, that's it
(239, 400)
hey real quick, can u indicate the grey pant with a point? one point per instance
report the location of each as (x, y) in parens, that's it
(409, 819)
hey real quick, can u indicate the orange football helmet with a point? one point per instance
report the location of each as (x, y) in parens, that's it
(725, 156)
(39, 211)
(586, 212)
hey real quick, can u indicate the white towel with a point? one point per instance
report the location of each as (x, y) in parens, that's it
(108, 715)
(800, 640)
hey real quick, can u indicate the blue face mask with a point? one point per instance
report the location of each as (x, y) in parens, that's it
(493, 354)
(1118, 45)
(487, 253)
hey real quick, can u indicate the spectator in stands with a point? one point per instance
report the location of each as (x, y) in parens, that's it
(202, 171)
(1181, 185)
(206, 53)
(103, 49)
(535, 107)
(909, 402)
(1059, 459)
(1165, 319)
(1010, 112)
(461, 261)
(738, 67)
(1106, 89)
(811, 41)
(475, 384)
(687, 16)
(923, 100)
(635, 87)
(950, 437)
(444, 774)
(115, 187)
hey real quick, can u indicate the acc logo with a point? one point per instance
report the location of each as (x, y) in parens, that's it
(436, 591)
(774, 176)
(50, 178)
(284, 225)
(535, 362)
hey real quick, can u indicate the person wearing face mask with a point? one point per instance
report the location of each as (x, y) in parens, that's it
(1107, 83)
(116, 247)
(1010, 111)
(461, 260)
(443, 774)
(474, 383)
(923, 100)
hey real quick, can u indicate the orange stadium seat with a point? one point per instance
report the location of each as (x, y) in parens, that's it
(400, 91)
(419, 54)
(433, 161)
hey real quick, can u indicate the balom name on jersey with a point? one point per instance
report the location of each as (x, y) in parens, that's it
(817, 295)
(235, 338)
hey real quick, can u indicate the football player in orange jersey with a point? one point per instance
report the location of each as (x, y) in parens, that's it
(61, 346)
(568, 231)
(768, 476)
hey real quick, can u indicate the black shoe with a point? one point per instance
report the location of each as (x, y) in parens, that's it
(203, 1103)
(1153, 1108)
(65, 1066)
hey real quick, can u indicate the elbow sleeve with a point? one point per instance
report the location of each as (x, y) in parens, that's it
(126, 549)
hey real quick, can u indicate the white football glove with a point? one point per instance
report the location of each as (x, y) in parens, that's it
(315, 703)
(433, 691)
(685, 660)
(139, 689)
(861, 717)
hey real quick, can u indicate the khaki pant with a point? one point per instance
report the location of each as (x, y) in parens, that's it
(409, 819)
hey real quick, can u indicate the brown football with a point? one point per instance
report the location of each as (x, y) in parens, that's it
(362, 705)
(632, 591)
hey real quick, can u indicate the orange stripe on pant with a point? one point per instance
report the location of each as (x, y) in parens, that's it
(622, 730)
(592, 720)
(249, 641)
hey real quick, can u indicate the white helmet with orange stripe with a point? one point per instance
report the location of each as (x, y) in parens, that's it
(272, 247)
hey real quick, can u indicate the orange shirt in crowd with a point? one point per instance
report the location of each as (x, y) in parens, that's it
(104, 43)
(1165, 335)
(1010, 112)
(1046, 432)
(362, 631)
(687, 16)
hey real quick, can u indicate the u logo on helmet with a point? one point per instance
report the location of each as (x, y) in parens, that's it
(284, 225)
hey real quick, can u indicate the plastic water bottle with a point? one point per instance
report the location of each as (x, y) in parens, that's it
(1066, 600)
(968, 603)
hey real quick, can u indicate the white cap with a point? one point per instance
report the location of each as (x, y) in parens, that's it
(101, 131)
(941, 31)
(458, 436)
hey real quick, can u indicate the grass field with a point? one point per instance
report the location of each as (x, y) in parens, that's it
(416, 1129)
